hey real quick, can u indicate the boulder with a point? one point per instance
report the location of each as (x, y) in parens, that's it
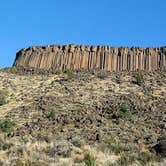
(160, 147)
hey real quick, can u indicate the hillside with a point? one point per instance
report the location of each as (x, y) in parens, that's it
(82, 118)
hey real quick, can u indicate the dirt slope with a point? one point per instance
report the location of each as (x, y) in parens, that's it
(73, 118)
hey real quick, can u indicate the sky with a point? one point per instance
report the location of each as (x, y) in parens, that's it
(24, 23)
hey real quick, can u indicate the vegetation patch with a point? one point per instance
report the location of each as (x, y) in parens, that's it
(124, 111)
(102, 75)
(138, 78)
(112, 145)
(6, 125)
(89, 160)
(69, 74)
(51, 115)
(2, 100)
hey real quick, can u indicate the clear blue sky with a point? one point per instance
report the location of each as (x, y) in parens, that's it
(24, 23)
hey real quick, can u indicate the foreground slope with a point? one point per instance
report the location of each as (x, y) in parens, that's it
(76, 118)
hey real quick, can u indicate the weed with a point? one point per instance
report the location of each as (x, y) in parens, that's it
(25, 163)
(77, 141)
(5, 146)
(102, 75)
(6, 125)
(51, 115)
(69, 74)
(112, 145)
(139, 79)
(19, 163)
(124, 111)
(2, 100)
(57, 72)
(126, 160)
(146, 157)
(143, 159)
(89, 160)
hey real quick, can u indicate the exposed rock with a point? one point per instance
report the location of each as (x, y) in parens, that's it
(160, 147)
(91, 57)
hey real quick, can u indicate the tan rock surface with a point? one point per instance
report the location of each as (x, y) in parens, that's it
(91, 57)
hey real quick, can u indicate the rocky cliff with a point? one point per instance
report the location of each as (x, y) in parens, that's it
(56, 57)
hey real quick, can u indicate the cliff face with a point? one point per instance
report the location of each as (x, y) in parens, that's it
(91, 57)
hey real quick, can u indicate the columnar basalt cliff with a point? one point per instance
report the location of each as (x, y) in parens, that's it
(56, 57)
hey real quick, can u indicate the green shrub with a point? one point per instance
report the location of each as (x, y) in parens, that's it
(19, 163)
(69, 74)
(51, 115)
(2, 100)
(77, 141)
(89, 160)
(6, 125)
(58, 72)
(112, 145)
(139, 79)
(142, 158)
(124, 111)
(102, 75)
(23, 163)
(127, 160)
(146, 157)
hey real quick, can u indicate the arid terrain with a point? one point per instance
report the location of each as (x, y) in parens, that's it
(73, 118)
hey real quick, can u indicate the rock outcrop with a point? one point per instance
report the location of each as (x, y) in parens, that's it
(160, 147)
(56, 57)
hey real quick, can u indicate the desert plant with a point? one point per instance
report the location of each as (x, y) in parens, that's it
(124, 111)
(19, 163)
(6, 125)
(126, 160)
(89, 160)
(58, 72)
(69, 74)
(23, 163)
(51, 115)
(146, 157)
(112, 145)
(102, 75)
(139, 79)
(77, 141)
(2, 100)
(5, 146)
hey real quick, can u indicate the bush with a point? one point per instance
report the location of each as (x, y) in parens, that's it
(89, 160)
(127, 160)
(142, 158)
(69, 74)
(139, 79)
(51, 115)
(6, 125)
(2, 100)
(112, 145)
(19, 163)
(125, 112)
(146, 157)
(102, 75)
(23, 163)
(77, 141)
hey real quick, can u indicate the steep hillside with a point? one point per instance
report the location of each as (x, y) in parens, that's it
(82, 118)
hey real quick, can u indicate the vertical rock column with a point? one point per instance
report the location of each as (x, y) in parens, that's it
(91, 57)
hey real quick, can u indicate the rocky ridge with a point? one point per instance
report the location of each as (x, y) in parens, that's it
(78, 57)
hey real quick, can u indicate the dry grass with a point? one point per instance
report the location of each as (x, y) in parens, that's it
(61, 119)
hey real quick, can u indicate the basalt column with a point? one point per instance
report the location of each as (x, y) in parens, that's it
(78, 57)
